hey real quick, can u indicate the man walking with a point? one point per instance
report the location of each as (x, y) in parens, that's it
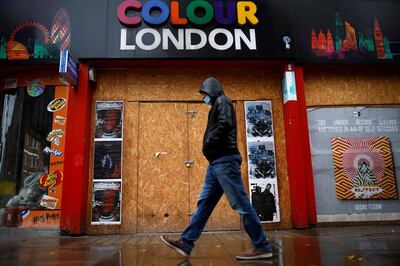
(223, 176)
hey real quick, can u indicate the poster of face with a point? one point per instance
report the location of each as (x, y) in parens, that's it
(261, 160)
(258, 120)
(106, 202)
(264, 198)
(108, 120)
(107, 160)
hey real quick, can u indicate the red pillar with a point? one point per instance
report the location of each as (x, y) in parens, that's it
(308, 174)
(301, 182)
(76, 161)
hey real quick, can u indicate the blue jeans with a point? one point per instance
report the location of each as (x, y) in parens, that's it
(223, 175)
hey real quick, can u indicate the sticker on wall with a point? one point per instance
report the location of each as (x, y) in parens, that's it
(60, 120)
(363, 168)
(48, 202)
(55, 136)
(35, 87)
(56, 105)
(55, 152)
(106, 202)
(25, 213)
(261, 160)
(52, 179)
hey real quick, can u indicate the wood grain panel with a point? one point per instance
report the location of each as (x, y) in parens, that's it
(241, 138)
(163, 185)
(223, 217)
(182, 84)
(130, 168)
(281, 168)
(348, 86)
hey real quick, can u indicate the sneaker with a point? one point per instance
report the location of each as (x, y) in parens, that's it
(176, 245)
(255, 254)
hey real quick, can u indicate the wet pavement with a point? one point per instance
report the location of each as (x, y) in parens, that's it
(362, 245)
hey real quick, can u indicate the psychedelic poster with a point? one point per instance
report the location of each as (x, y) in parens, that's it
(363, 168)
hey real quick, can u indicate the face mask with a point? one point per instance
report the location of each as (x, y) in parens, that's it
(207, 100)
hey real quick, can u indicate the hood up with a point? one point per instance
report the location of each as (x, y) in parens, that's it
(212, 87)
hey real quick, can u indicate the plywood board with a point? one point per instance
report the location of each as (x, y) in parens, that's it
(130, 168)
(183, 84)
(163, 185)
(349, 86)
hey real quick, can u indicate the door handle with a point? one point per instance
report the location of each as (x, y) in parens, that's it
(188, 163)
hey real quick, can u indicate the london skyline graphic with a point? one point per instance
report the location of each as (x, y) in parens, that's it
(348, 42)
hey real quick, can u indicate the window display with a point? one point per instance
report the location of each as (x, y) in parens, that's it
(31, 155)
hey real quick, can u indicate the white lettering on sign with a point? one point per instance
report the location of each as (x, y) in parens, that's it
(189, 39)
(366, 207)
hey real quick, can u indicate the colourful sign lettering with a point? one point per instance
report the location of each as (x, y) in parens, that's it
(242, 12)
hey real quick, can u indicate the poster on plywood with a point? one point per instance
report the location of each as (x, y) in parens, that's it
(107, 163)
(264, 193)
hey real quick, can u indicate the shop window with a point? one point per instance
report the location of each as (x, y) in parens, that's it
(25, 124)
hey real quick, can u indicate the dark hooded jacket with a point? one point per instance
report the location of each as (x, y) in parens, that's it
(220, 135)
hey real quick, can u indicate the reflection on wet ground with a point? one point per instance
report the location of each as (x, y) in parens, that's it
(363, 245)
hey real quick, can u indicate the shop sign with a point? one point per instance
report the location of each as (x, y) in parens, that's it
(68, 68)
(190, 35)
(289, 87)
(52, 179)
(56, 104)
